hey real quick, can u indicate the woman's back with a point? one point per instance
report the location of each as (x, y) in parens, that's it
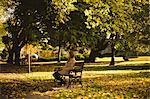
(68, 66)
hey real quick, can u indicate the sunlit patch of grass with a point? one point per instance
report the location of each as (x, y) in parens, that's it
(102, 64)
(139, 58)
(105, 59)
(39, 75)
(93, 74)
(26, 76)
(145, 66)
(11, 76)
(133, 63)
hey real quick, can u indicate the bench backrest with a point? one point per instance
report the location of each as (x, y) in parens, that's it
(79, 67)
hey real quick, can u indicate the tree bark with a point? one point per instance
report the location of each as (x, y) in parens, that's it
(112, 55)
(125, 58)
(10, 57)
(59, 54)
(92, 56)
(17, 55)
(112, 50)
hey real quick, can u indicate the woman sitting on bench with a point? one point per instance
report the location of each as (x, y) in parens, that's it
(65, 70)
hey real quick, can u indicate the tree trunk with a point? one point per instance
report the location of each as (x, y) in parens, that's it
(17, 55)
(92, 56)
(59, 54)
(112, 54)
(10, 57)
(125, 57)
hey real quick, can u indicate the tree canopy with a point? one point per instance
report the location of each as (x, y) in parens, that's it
(73, 23)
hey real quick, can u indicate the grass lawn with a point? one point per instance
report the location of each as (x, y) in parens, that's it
(106, 84)
(127, 81)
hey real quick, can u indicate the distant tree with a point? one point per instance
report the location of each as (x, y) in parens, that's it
(141, 27)
(105, 16)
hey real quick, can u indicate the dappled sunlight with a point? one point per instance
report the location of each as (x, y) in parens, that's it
(44, 38)
(48, 75)
(141, 58)
(26, 76)
(138, 60)
(108, 59)
(117, 86)
(93, 74)
(133, 62)
(100, 84)
(11, 76)
(125, 82)
(39, 75)
(99, 81)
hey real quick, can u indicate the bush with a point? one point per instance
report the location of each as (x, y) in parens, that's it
(80, 57)
(4, 54)
(64, 58)
(47, 59)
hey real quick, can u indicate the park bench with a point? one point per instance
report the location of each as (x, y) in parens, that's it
(74, 76)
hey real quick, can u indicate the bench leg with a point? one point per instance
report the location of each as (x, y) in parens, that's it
(80, 82)
(69, 83)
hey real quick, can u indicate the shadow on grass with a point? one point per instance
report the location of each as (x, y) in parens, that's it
(128, 67)
(4, 68)
(22, 88)
(18, 88)
(40, 67)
